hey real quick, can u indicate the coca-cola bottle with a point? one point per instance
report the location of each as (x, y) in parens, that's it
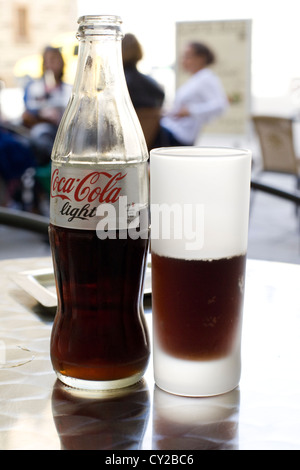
(99, 226)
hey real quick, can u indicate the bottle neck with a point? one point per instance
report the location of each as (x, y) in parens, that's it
(100, 124)
(100, 64)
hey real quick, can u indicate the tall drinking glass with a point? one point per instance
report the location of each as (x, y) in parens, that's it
(199, 233)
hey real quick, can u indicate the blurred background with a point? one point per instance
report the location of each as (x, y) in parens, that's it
(258, 64)
(28, 26)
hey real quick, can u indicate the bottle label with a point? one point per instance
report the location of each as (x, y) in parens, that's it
(99, 199)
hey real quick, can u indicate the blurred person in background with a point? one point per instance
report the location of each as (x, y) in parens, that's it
(16, 156)
(23, 153)
(199, 100)
(144, 91)
(45, 100)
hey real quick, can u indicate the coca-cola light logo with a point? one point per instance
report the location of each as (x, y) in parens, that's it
(101, 197)
(86, 188)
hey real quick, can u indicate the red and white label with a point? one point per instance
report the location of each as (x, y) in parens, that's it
(79, 198)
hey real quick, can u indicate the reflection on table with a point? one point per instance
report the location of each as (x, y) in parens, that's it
(116, 421)
(38, 412)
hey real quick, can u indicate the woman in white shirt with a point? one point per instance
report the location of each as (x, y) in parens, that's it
(198, 101)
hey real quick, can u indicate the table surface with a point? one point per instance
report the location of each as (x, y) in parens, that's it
(37, 413)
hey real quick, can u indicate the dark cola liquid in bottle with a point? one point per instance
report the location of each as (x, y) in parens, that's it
(99, 221)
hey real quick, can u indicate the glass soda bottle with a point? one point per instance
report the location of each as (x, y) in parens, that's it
(99, 221)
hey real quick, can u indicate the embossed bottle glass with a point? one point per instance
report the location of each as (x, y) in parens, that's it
(99, 228)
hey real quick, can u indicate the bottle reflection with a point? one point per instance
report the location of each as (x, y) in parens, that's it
(89, 421)
(195, 423)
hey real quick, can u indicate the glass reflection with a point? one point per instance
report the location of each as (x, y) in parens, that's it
(101, 420)
(195, 423)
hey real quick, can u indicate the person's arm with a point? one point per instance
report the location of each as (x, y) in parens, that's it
(208, 104)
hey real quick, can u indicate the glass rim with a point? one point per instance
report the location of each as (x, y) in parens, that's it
(200, 152)
(100, 18)
(99, 25)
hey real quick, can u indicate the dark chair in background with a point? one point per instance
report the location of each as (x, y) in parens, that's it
(149, 119)
(278, 155)
(276, 141)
